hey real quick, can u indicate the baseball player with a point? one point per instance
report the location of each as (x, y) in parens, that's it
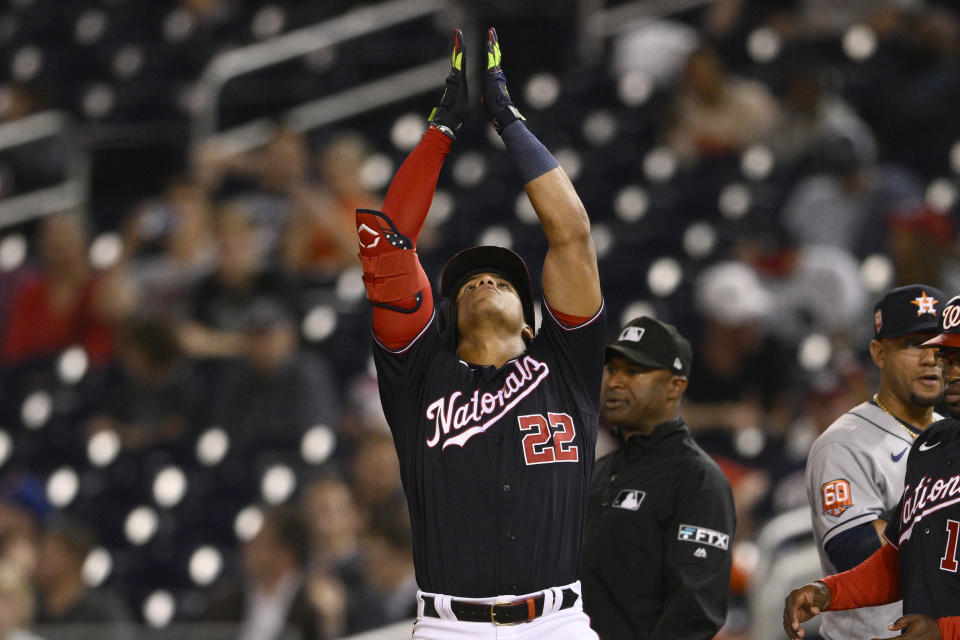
(947, 343)
(854, 473)
(495, 425)
(660, 519)
(920, 563)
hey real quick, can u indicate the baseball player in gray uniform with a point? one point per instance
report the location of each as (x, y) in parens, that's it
(855, 469)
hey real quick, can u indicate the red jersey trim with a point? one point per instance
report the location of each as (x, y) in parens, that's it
(586, 319)
(412, 340)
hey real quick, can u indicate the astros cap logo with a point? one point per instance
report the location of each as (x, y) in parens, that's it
(925, 304)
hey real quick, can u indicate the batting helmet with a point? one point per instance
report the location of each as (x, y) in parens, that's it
(486, 259)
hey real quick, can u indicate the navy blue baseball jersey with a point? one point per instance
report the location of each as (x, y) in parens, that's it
(927, 526)
(496, 463)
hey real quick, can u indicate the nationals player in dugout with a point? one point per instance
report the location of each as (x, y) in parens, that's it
(920, 564)
(854, 473)
(495, 427)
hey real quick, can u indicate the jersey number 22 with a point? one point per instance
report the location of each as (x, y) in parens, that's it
(548, 439)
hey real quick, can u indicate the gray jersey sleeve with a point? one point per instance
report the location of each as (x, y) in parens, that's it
(845, 488)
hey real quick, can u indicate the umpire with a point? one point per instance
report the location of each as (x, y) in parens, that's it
(660, 517)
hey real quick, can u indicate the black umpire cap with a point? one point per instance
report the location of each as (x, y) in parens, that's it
(914, 308)
(655, 344)
(489, 259)
(949, 327)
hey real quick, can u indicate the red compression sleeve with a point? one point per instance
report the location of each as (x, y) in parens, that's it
(411, 191)
(949, 627)
(407, 203)
(873, 582)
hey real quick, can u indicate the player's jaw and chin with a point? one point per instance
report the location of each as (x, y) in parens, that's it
(927, 392)
(486, 306)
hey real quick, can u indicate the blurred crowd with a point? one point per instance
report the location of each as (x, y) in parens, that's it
(810, 165)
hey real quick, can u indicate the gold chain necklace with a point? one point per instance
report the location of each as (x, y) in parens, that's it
(876, 399)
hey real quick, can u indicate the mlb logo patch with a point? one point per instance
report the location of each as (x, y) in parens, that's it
(631, 334)
(877, 320)
(629, 499)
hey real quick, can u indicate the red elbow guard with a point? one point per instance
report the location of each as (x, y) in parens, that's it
(390, 264)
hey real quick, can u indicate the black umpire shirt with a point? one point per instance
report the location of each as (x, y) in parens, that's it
(926, 531)
(657, 552)
(496, 463)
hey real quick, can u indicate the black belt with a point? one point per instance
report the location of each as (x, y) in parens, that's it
(523, 610)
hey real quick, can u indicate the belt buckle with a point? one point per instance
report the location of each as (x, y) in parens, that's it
(529, 602)
(493, 616)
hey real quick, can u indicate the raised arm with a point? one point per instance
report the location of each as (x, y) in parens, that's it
(571, 282)
(395, 281)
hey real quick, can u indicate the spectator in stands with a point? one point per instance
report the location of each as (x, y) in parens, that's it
(337, 561)
(64, 597)
(737, 401)
(716, 113)
(335, 523)
(919, 127)
(61, 296)
(298, 216)
(738, 381)
(388, 565)
(182, 223)
(852, 203)
(375, 473)
(278, 391)
(151, 392)
(23, 510)
(21, 99)
(320, 237)
(813, 288)
(813, 115)
(16, 604)
(220, 304)
(270, 595)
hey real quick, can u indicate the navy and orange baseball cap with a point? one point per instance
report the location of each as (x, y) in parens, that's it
(914, 308)
(949, 326)
(489, 259)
